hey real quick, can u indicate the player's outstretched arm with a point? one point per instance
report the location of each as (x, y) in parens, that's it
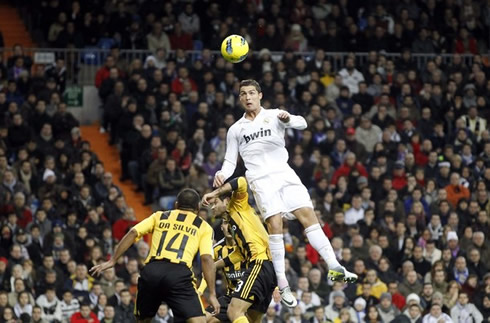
(292, 121)
(209, 273)
(231, 156)
(123, 245)
(238, 185)
(209, 198)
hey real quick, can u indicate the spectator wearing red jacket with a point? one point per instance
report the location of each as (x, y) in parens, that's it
(182, 155)
(19, 207)
(421, 152)
(350, 164)
(85, 315)
(396, 297)
(180, 39)
(465, 43)
(178, 82)
(399, 180)
(122, 226)
(104, 72)
(455, 191)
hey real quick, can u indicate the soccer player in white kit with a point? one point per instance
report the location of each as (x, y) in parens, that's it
(259, 139)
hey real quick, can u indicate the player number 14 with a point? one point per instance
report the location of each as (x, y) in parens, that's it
(169, 247)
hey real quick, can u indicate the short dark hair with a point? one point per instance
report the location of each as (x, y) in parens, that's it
(250, 82)
(188, 199)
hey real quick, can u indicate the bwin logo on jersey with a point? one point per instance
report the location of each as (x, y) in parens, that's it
(257, 134)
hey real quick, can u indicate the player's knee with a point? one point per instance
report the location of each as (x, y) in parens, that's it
(274, 224)
(197, 319)
(233, 312)
(212, 319)
(306, 216)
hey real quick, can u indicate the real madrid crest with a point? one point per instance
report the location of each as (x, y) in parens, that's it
(267, 120)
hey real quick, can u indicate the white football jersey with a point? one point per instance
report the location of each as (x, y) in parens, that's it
(260, 143)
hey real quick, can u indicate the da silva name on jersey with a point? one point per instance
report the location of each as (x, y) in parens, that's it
(179, 227)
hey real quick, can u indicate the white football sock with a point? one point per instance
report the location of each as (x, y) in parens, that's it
(320, 242)
(276, 244)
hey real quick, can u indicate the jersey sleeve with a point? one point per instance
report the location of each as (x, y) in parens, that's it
(241, 193)
(231, 156)
(295, 122)
(206, 241)
(147, 225)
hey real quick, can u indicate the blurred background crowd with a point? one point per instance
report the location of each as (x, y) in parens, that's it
(396, 155)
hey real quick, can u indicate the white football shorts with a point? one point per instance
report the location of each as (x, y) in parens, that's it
(280, 193)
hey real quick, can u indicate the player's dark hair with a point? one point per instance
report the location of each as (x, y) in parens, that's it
(251, 82)
(188, 199)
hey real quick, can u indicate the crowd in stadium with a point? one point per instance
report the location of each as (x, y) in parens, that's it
(396, 155)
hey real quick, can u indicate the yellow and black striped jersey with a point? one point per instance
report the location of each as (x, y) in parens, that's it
(232, 273)
(251, 238)
(177, 236)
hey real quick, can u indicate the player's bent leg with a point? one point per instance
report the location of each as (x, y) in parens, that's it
(237, 310)
(317, 238)
(276, 244)
(254, 316)
(210, 318)
(196, 319)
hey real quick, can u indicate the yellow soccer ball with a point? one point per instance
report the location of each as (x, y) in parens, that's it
(234, 48)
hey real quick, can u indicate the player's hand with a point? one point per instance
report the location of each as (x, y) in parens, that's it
(219, 180)
(284, 116)
(208, 199)
(214, 303)
(98, 269)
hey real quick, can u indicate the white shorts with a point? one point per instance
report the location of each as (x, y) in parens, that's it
(280, 193)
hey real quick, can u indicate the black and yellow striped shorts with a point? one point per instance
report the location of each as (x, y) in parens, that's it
(257, 285)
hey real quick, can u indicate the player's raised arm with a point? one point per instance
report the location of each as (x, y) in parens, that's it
(292, 121)
(231, 156)
(125, 243)
(238, 185)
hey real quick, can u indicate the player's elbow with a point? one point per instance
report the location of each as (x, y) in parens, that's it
(132, 234)
(303, 124)
(208, 263)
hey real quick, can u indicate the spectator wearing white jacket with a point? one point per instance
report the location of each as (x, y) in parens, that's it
(465, 312)
(368, 134)
(351, 77)
(332, 311)
(69, 306)
(436, 315)
(189, 20)
(158, 39)
(50, 305)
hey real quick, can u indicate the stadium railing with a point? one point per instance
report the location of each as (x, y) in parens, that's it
(82, 64)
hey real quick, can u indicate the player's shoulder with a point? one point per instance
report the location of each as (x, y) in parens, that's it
(202, 224)
(236, 126)
(162, 215)
(273, 111)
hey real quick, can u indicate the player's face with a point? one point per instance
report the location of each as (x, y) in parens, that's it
(225, 228)
(250, 98)
(220, 207)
